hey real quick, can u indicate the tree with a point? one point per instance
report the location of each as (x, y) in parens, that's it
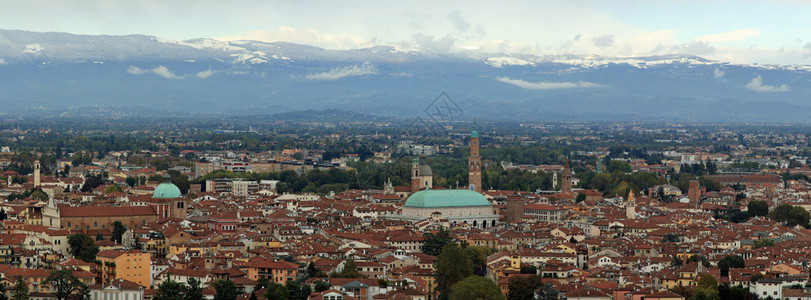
(99, 236)
(434, 243)
(478, 256)
(276, 291)
(20, 290)
(350, 270)
(263, 282)
(194, 291)
(529, 269)
(548, 292)
(83, 247)
(321, 286)
(580, 197)
(676, 262)
(38, 194)
(64, 284)
(225, 290)
(170, 290)
(112, 189)
(707, 288)
(91, 182)
(452, 266)
(730, 262)
(523, 287)
(475, 287)
(312, 270)
(791, 215)
(131, 181)
(757, 208)
(297, 291)
(118, 231)
(699, 259)
(672, 238)
(763, 243)
(137, 244)
(3, 292)
(3, 214)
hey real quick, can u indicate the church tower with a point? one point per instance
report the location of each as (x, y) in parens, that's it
(37, 179)
(630, 206)
(422, 177)
(475, 162)
(566, 182)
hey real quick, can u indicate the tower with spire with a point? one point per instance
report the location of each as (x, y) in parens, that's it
(475, 161)
(630, 206)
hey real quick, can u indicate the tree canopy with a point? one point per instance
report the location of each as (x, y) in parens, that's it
(730, 262)
(83, 247)
(475, 287)
(791, 215)
(452, 265)
(757, 208)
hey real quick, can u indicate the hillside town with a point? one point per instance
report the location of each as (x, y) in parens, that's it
(687, 221)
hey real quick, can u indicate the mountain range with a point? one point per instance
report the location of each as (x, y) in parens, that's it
(61, 74)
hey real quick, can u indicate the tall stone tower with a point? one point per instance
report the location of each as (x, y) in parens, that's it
(37, 179)
(566, 182)
(694, 193)
(422, 176)
(415, 175)
(475, 162)
(630, 206)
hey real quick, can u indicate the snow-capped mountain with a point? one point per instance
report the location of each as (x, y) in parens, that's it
(59, 72)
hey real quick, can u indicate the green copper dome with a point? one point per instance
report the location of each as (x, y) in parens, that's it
(167, 189)
(446, 198)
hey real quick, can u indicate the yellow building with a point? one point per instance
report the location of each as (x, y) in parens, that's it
(133, 265)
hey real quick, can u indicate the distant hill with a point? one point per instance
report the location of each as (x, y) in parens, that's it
(327, 116)
(79, 75)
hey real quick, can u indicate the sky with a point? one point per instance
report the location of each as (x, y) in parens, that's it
(763, 32)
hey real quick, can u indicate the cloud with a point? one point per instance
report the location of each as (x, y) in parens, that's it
(757, 85)
(730, 36)
(136, 70)
(204, 74)
(3, 61)
(603, 41)
(341, 72)
(458, 21)
(430, 43)
(304, 36)
(807, 48)
(547, 85)
(164, 72)
(718, 73)
(694, 47)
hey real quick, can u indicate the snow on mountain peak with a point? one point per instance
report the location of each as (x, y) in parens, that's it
(33, 48)
(500, 62)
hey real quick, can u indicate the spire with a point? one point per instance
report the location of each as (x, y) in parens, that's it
(475, 132)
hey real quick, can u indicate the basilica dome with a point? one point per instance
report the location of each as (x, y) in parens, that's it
(166, 189)
(446, 198)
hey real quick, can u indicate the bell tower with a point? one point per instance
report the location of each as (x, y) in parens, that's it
(630, 206)
(37, 179)
(475, 162)
(566, 182)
